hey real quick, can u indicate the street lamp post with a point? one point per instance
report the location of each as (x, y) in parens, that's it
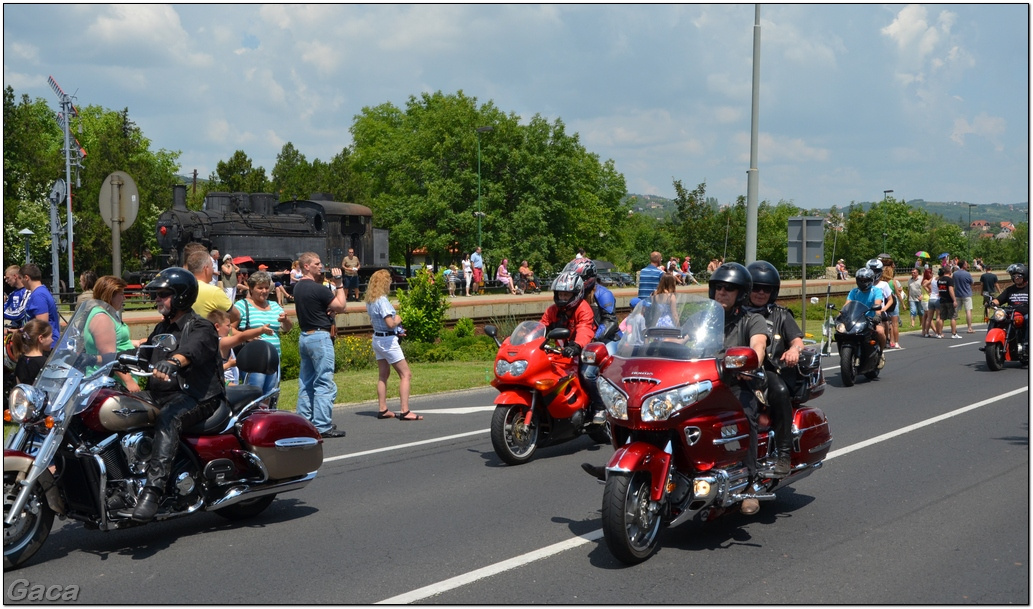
(885, 195)
(27, 234)
(479, 213)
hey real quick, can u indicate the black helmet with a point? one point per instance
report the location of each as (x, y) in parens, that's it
(585, 268)
(568, 281)
(865, 278)
(736, 274)
(1019, 269)
(765, 273)
(182, 283)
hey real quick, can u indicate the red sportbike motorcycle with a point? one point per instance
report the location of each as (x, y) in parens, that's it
(680, 433)
(83, 442)
(541, 400)
(1004, 338)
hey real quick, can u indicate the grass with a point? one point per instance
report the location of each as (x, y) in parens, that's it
(354, 386)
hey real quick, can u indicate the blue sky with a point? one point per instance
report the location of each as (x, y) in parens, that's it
(931, 101)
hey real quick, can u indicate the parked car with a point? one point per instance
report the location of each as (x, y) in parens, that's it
(627, 278)
(607, 274)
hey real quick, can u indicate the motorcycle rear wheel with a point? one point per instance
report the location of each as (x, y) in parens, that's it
(846, 365)
(631, 520)
(995, 356)
(248, 508)
(25, 537)
(514, 441)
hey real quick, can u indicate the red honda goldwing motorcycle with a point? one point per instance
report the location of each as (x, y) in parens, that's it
(1004, 338)
(681, 434)
(541, 400)
(83, 442)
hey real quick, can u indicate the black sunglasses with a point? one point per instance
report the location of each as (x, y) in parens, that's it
(763, 289)
(728, 287)
(162, 294)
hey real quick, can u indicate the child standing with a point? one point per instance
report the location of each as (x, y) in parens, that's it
(32, 344)
(221, 320)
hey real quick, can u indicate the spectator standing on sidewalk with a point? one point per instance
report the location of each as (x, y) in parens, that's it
(914, 297)
(351, 273)
(948, 302)
(228, 276)
(478, 269)
(649, 277)
(963, 290)
(316, 307)
(989, 283)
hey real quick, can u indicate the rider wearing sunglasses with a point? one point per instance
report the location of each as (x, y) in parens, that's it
(730, 286)
(785, 341)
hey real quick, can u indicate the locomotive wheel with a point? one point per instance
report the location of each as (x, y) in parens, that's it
(631, 520)
(995, 356)
(513, 440)
(246, 509)
(26, 535)
(846, 365)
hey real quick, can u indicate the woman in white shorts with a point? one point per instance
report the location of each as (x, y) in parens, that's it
(387, 327)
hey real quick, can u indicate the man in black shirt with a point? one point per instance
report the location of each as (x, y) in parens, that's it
(316, 307)
(187, 383)
(989, 283)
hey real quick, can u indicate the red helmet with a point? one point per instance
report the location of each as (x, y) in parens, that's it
(585, 268)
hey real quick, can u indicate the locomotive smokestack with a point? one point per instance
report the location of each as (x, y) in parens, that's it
(179, 197)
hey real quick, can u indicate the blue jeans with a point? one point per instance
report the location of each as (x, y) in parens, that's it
(316, 387)
(266, 381)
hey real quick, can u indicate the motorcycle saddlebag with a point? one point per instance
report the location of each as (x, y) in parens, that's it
(812, 436)
(810, 381)
(287, 443)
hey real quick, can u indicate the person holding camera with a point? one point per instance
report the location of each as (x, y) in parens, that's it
(387, 327)
(316, 308)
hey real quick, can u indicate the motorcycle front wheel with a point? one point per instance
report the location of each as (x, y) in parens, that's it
(995, 356)
(631, 520)
(514, 440)
(846, 364)
(26, 535)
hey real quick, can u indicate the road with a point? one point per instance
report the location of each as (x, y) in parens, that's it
(923, 499)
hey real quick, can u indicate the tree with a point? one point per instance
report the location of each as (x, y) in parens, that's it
(237, 175)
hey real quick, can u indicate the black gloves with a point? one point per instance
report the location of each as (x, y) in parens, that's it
(572, 349)
(168, 367)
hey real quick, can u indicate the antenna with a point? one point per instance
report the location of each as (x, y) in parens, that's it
(68, 109)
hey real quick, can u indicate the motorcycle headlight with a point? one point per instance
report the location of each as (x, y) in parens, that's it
(513, 368)
(841, 328)
(662, 406)
(614, 400)
(1000, 315)
(25, 403)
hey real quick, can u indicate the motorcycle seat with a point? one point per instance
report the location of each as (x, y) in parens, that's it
(240, 395)
(213, 424)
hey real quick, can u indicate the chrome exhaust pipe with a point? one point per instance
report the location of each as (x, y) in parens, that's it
(245, 492)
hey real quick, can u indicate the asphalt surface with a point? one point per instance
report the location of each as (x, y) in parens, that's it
(924, 499)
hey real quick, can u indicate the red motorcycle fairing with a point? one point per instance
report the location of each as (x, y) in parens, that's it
(513, 396)
(642, 456)
(996, 335)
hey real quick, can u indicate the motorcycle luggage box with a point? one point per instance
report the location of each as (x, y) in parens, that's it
(287, 443)
(812, 436)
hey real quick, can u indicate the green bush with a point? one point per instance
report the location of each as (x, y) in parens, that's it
(464, 327)
(290, 359)
(422, 308)
(353, 353)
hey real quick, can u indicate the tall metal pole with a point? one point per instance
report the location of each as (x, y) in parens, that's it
(885, 212)
(753, 175)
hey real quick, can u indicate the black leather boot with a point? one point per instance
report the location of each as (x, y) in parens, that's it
(147, 505)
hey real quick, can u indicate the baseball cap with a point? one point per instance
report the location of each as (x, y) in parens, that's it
(262, 267)
(227, 257)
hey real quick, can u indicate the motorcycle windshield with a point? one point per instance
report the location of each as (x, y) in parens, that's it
(679, 327)
(527, 331)
(853, 312)
(89, 336)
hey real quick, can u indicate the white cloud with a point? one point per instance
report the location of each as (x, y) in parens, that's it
(776, 149)
(983, 125)
(143, 32)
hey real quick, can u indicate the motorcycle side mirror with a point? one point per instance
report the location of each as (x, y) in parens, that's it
(165, 342)
(491, 331)
(831, 306)
(558, 334)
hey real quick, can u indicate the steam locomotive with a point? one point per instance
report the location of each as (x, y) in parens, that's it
(259, 226)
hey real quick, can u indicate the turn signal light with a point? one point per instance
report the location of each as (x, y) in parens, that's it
(7, 415)
(545, 384)
(49, 422)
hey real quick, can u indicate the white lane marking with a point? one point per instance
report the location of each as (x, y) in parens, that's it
(518, 561)
(966, 344)
(409, 445)
(499, 567)
(921, 424)
(464, 410)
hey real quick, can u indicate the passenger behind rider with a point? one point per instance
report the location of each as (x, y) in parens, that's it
(785, 342)
(871, 298)
(604, 318)
(730, 286)
(571, 311)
